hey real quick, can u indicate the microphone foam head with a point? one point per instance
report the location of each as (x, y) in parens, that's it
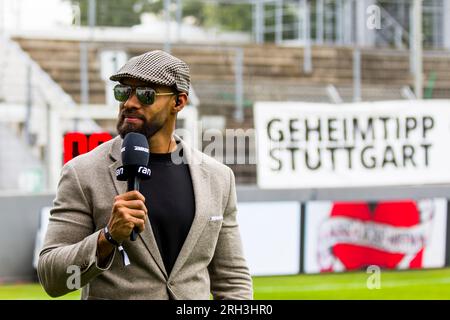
(135, 150)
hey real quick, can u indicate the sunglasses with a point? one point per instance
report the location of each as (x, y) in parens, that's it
(145, 95)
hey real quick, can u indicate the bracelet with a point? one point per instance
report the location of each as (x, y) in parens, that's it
(109, 237)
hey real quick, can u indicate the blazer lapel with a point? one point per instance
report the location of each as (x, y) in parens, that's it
(147, 236)
(200, 183)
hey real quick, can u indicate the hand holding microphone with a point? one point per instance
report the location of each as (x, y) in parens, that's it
(129, 210)
(128, 215)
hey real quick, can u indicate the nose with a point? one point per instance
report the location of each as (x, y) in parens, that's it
(132, 101)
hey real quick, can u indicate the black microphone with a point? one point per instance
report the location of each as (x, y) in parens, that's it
(135, 155)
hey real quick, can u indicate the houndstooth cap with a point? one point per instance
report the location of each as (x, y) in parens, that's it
(157, 67)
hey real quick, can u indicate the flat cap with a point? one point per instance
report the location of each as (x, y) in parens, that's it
(158, 67)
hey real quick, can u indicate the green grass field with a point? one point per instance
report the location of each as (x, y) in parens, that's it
(430, 284)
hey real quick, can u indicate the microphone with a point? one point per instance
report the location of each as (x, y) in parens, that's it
(135, 155)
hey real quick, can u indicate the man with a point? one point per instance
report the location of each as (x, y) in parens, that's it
(188, 245)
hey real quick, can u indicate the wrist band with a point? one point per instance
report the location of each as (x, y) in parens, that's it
(109, 238)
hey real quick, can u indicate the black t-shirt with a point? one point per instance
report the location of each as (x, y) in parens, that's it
(169, 197)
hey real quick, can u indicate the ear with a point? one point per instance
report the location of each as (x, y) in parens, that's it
(180, 102)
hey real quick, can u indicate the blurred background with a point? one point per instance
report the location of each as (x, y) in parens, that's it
(334, 232)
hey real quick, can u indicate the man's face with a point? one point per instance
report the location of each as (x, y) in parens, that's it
(146, 119)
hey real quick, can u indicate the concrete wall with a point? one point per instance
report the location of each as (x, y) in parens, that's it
(19, 216)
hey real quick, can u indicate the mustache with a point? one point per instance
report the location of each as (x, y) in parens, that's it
(131, 114)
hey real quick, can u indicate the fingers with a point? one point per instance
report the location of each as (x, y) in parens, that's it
(139, 214)
(124, 214)
(131, 223)
(130, 195)
(121, 224)
(131, 204)
(128, 212)
(138, 223)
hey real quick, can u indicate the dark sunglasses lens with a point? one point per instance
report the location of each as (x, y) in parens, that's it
(122, 93)
(145, 95)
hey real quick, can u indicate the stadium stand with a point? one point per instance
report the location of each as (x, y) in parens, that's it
(270, 72)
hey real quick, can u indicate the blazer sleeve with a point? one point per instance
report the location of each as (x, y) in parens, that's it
(71, 241)
(229, 274)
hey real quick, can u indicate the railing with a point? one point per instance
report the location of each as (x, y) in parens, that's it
(392, 32)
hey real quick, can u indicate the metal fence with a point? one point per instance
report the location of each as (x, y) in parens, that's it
(336, 22)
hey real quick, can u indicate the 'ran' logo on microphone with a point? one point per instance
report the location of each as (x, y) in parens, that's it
(144, 171)
(119, 171)
(139, 148)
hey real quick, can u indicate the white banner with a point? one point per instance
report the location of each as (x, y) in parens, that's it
(304, 145)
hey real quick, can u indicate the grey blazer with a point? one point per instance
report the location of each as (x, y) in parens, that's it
(211, 259)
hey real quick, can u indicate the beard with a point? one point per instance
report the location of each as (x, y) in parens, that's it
(147, 128)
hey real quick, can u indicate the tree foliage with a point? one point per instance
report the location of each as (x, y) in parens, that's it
(117, 13)
(126, 13)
